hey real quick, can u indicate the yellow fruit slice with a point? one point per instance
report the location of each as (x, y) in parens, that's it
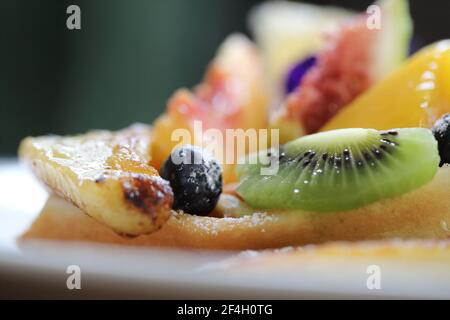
(415, 95)
(106, 175)
(355, 58)
(232, 96)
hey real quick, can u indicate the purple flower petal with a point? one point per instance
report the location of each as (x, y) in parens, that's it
(296, 74)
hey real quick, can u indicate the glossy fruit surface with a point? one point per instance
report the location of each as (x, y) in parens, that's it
(342, 170)
(441, 132)
(195, 178)
(416, 95)
(355, 58)
(231, 96)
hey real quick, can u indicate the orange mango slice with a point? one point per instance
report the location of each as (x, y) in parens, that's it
(415, 95)
(231, 96)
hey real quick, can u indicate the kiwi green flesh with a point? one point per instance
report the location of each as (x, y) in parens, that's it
(341, 170)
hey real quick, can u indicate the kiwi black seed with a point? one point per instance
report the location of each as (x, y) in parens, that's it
(344, 158)
(377, 153)
(338, 161)
(389, 133)
(342, 169)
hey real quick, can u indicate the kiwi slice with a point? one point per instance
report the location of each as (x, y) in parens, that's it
(340, 170)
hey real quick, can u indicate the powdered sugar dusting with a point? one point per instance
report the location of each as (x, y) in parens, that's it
(213, 226)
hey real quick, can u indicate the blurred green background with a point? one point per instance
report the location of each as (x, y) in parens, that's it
(125, 62)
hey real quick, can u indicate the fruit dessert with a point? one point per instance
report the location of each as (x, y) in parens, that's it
(351, 184)
(355, 57)
(342, 170)
(232, 96)
(361, 181)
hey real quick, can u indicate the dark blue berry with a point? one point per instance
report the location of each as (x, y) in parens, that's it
(441, 132)
(195, 178)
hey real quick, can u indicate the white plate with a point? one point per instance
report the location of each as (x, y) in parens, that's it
(38, 269)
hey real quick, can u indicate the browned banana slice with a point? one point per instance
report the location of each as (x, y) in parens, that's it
(106, 175)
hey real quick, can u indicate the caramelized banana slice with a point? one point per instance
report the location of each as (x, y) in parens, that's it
(106, 175)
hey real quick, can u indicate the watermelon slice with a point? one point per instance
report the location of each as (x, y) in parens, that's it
(355, 58)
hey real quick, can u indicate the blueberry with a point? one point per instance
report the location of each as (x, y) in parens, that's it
(195, 178)
(441, 132)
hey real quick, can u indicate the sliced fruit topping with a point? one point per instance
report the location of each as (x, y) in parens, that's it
(441, 132)
(195, 178)
(355, 58)
(106, 175)
(232, 96)
(288, 32)
(340, 75)
(415, 95)
(341, 170)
